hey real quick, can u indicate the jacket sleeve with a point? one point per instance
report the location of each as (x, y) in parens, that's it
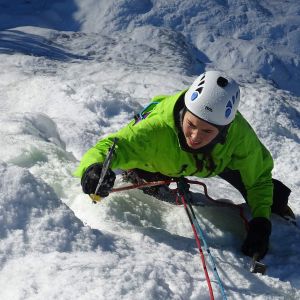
(125, 152)
(255, 164)
(96, 154)
(132, 149)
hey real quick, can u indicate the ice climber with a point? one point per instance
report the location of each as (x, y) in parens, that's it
(196, 132)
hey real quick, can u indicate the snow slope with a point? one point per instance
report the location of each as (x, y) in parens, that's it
(73, 71)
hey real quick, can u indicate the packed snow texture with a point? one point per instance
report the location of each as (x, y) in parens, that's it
(72, 72)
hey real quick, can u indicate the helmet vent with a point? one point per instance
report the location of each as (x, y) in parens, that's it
(201, 83)
(222, 82)
(199, 89)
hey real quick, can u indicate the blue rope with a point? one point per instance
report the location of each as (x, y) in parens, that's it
(184, 187)
(212, 261)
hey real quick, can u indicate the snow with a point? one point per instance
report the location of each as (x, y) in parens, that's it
(73, 71)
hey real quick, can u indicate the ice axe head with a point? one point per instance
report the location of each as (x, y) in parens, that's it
(95, 198)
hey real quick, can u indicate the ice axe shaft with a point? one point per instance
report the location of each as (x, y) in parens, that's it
(257, 266)
(105, 167)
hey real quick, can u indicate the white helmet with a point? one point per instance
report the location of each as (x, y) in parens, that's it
(213, 97)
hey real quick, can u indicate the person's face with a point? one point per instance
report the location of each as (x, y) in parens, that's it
(197, 133)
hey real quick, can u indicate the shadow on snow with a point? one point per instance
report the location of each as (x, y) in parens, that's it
(56, 14)
(15, 41)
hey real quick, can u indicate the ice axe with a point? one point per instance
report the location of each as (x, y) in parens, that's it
(257, 266)
(107, 162)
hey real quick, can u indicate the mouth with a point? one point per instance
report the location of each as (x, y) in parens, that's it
(193, 143)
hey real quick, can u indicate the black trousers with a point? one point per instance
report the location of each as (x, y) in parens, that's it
(280, 193)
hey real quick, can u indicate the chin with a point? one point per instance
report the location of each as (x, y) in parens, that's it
(196, 147)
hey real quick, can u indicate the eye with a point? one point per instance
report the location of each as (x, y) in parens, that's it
(191, 125)
(208, 131)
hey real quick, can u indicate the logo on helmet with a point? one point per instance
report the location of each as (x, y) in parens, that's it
(194, 95)
(229, 106)
(208, 108)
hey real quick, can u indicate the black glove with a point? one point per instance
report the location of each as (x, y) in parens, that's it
(90, 179)
(257, 240)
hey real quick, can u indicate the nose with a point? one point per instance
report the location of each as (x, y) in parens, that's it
(196, 135)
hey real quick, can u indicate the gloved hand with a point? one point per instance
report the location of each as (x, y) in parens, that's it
(257, 240)
(90, 179)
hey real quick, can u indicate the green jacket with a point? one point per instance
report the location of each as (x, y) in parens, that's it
(152, 145)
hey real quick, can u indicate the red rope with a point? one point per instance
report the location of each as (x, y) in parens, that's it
(200, 249)
(221, 203)
(161, 182)
(218, 202)
(141, 185)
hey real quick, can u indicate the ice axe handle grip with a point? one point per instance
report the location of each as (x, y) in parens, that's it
(107, 162)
